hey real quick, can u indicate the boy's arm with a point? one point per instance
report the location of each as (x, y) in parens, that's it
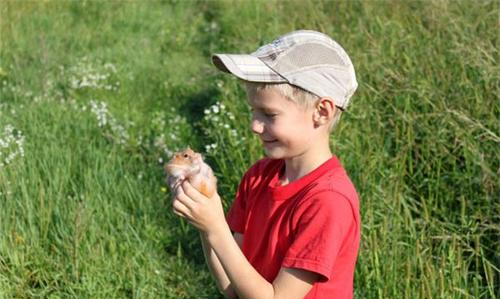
(247, 282)
(207, 215)
(223, 282)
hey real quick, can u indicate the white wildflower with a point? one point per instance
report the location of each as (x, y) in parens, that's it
(168, 152)
(110, 67)
(101, 111)
(119, 131)
(159, 141)
(214, 26)
(11, 145)
(105, 120)
(215, 109)
(86, 75)
(210, 148)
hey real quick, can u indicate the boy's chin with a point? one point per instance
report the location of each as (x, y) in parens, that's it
(274, 153)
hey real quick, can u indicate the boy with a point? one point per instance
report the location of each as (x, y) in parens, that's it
(296, 214)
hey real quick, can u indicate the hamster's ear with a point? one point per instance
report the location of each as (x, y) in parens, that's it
(198, 157)
(189, 151)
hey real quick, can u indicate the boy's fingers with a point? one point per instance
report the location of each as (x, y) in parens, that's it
(190, 190)
(178, 190)
(179, 214)
(180, 209)
(173, 182)
(184, 199)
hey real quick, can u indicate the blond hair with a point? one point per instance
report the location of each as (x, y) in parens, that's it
(292, 93)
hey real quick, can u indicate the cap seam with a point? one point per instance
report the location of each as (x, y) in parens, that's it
(305, 68)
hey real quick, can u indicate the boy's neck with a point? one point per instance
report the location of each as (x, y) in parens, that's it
(299, 166)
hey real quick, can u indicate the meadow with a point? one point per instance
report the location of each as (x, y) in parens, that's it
(96, 95)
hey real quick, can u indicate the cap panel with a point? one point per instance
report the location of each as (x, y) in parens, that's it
(314, 62)
(320, 82)
(246, 67)
(298, 58)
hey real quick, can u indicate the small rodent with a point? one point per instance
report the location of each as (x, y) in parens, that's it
(189, 165)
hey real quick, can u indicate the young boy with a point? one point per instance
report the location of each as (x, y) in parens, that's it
(296, 214)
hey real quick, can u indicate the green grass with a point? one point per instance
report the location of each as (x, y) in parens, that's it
(83, 209)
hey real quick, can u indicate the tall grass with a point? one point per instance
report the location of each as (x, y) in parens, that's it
(94, 96)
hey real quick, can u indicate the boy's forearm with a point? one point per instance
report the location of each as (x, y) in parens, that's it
(223, 283)
(244, 279)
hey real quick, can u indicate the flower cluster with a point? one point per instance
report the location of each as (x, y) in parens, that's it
(209, 148)
(218, 115)
(169, 142)
(222, 121)
(86, 75)
(11, 145)
(6, 190)
(105, 120)
(9, 89)
(100, 110)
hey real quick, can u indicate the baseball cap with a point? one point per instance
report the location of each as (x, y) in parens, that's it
(307, 59)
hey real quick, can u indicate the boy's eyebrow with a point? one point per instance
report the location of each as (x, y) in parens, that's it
(255, 106)
(263, 108)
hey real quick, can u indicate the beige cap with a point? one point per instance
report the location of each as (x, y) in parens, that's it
(307, 59)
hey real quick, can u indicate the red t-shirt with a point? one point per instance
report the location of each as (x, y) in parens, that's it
(312, 223)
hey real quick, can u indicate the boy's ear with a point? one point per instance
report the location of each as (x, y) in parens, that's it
(324, 110)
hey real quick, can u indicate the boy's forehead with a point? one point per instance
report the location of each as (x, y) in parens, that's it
(268, 99)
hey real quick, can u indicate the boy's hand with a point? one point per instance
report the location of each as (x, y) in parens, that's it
(173, 182)
(204, 213)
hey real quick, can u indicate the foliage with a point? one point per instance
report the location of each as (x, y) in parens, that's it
(96, 95)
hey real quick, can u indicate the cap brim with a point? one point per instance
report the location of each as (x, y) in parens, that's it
(246, 67)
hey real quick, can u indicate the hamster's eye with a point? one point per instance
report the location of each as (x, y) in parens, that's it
(186, 156)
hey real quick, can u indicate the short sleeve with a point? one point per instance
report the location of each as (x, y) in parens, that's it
(236, 215)
(322, 224)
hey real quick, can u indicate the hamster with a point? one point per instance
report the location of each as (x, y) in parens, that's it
(189, 165)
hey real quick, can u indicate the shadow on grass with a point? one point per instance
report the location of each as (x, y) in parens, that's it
(184, 240)
(193, 110)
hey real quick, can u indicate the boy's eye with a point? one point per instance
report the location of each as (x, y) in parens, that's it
(260, 113)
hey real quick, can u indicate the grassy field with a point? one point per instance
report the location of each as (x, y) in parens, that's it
(95, 96)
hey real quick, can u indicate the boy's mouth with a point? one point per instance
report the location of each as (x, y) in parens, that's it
(269, 141)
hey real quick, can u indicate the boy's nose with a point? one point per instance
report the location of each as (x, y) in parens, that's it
(257, 126)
